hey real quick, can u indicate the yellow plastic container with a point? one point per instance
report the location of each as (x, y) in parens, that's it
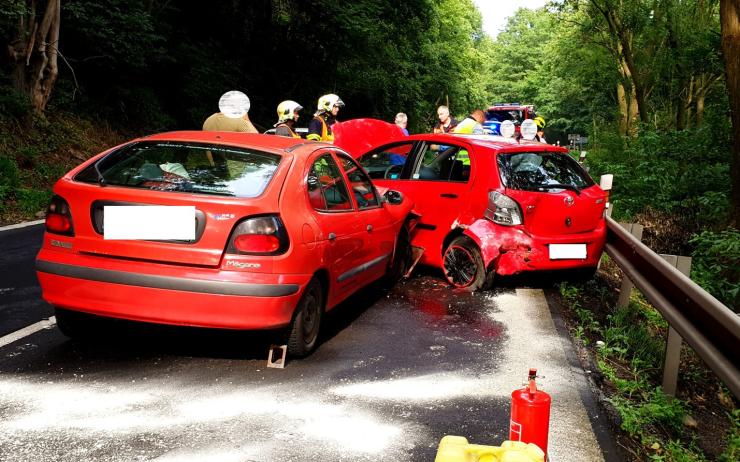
(457, 449)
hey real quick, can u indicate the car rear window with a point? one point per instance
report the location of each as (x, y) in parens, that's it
(542, 171)
(185, 167)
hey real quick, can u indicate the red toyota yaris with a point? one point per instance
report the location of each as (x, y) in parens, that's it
(276, 231)
(491, 205)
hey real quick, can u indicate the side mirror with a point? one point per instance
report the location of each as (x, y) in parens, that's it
(393, 197)
(605, 182)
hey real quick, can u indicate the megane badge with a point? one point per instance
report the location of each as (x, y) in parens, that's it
(569, 201)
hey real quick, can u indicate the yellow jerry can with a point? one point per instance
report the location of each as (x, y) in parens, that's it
(457, 449)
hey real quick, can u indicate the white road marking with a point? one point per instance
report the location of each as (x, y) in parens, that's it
(26, 331)
(21, 225)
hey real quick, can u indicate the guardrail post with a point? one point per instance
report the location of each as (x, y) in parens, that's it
(674, 342)
(634, 229)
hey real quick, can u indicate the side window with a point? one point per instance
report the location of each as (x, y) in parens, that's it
(326, 188)
(443, 163)
(362, 187)
(386, 162)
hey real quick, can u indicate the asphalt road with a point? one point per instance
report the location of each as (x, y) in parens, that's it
(20, 295)
(395, 372)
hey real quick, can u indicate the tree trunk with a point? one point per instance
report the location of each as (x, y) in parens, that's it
(34, 53)
(623, 110)
(730, 20)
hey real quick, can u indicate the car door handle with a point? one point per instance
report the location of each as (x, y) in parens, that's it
(369, 228)
(332, 236)
(448, 196)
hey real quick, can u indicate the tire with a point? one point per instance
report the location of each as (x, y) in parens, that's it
(463, 266)
(304, 329)
(73, 324)
(401, 259)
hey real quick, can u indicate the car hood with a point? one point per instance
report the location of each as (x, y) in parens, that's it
(357, 136)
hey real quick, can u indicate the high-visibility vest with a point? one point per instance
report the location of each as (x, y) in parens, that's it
(463, 156)
(466, 126)
(325, 135)
(292, 133)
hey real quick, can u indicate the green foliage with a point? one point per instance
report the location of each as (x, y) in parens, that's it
(716, 265)
(732, 452)
(13, 104)
(654, 408)
(630, 358)
(674, 172)
(31, 200)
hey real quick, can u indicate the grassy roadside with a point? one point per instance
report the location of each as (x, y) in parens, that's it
(34, 155)
(624, 349)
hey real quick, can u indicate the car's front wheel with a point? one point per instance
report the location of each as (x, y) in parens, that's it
(304, 330)
(463, 265)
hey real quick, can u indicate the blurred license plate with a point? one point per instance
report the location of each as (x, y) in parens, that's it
(567, 251)
(151, 222)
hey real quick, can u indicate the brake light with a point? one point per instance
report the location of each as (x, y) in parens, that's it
(59, 217)
(264, 235)
(503, 210)
(256, 243)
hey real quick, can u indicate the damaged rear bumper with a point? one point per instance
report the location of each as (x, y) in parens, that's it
(511, 250)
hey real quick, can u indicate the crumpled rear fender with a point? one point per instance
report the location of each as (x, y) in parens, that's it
(495, 241)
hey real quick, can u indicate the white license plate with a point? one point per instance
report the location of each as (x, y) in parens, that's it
(151, 222)
(567, 251)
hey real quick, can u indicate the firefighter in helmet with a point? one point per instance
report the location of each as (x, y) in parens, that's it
(287, 112)
(319, 129)
(540, 122)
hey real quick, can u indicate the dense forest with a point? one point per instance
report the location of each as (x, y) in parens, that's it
(651, 83)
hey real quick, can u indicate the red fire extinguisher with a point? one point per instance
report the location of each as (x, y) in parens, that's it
(530, 414)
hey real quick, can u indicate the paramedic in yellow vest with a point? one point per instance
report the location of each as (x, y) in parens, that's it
(319, 129)
(473, 125)
(287, 112)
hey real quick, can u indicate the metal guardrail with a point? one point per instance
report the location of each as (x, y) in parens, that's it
(708, 326)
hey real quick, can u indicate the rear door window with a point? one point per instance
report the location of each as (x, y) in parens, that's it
(326, 188)
(542, 171)
(186, 167)
(442, 163)
(362, 187)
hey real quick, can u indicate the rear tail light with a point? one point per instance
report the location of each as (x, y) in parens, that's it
(59, 217)
(259, 236)
(503, 210)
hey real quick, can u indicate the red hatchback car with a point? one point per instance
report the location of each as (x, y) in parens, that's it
(491, 205)
(280, 231)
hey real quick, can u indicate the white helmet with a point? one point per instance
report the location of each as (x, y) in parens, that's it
(286, 109)
(327, 102)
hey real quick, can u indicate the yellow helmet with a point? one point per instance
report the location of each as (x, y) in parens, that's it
(540, 121)
(327, 102)
(286, 109)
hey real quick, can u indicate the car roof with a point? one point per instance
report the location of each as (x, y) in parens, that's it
(272, 143)
(491, 141)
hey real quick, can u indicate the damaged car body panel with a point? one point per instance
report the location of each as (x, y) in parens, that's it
(492, 205)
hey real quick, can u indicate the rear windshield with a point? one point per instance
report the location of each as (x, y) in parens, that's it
(542, 171)
(185, 167)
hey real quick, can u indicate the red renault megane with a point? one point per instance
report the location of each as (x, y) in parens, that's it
(223, 230)
(491, 205)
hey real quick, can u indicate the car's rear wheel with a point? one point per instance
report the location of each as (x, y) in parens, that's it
(304, 330)
(73, 324)
(463, 265)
